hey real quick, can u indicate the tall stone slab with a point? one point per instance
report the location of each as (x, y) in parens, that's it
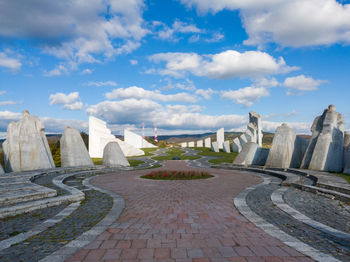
(184, 144)
(247, 155)
(129, 150)
(207, 142)
(227, 147)
(200, 143)
(26, 146)
(220, 137)
(136, 140)
(300, 146)
(255, 120)
(282, 147)
(346, 153)
(73, 149)
(325, 149)
(113, 156)
(214, 147)
(236, 145)
(191, 144)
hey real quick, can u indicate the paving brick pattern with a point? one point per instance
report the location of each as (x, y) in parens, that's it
(182, 221)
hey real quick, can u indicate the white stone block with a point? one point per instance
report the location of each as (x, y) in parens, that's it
(73, 149)
(184, 144)
(136, 140)
(236, 145)
(214, 147)
(191, 144)
(129, 150)
(243, 140)
(220, 137)
(113, 155)
(227, 147)
(200, 143)
(207, 142)
(255, 119)
(247, 155)
(26, 146)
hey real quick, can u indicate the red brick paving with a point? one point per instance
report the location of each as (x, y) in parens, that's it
(183, 221)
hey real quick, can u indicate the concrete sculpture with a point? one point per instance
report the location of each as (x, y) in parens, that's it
(207, 142)
(227, 147)
(1, 170)
(200, 143)
(325, 149)
(220, 137)
(247, 155)
(100, 136)
(113, 155)
(136, 140)
(252, 134)
(214, 147)
(191, 144)
(73, 149)
(346, 153)
(26, 146)
(300, 146)
(184, 144)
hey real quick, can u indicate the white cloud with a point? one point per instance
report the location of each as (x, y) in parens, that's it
(10, 102)
(289, 23)
(184, 85)
(76, 31)
(133, 62)
(205, 93)
(69, 101)
(14, 64)
(2, 92)
(298, 84)
(101, 83)
(246, 96)
(87, 71)
(228, 64)
(216, 37)
(170, 33)
(59, 70)
(140, 93)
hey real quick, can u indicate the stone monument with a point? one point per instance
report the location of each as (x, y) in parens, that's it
(214, 147)
(325, 149)
(220, 137)
(346, 153)
(136, 140)
(207, 142)
(26, 146)
(200, 143)
(113, 156)
(73, 149)
(191, 144)
(184, 144)
(227, 147)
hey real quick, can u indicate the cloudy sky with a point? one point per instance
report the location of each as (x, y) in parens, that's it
(189, 66)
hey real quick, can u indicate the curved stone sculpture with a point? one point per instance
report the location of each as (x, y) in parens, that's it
(247, 155)
(113, 155)
(73, 149)
(325, 149)
(26, 146)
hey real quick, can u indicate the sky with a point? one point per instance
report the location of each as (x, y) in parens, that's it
(187, 66)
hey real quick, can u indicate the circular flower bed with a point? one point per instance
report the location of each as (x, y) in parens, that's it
(177, 175)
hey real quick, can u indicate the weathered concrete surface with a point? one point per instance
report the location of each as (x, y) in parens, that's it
(227, 147)
(261, 156)
(300, 146)
(282, 147)
(214, 147)
(73, 149)
(255, 119)
(1, 170)
(207, 142)
(26, 146)
(243, 140)
(191, 144)
(236, 145)
(346, 153)
(220, 137)
(247, 155)
(325, 149)
(184, 144)
(113, 155)
(129, 150)
(200, 143)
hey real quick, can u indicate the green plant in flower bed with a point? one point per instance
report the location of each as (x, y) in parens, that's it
(177, 175)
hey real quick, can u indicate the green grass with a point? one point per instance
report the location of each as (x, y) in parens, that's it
(224, 157)
(345, 176)
(175, 152)
(147, 152)
(132, 162)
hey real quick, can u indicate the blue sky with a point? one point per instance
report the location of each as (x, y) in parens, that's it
(189, 66)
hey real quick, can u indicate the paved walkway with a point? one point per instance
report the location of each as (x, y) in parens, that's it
(182, 221)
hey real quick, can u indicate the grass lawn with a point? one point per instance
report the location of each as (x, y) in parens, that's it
(175, 152)
(98, 161)
(345, 176)
(147, 152)
(224, 157)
